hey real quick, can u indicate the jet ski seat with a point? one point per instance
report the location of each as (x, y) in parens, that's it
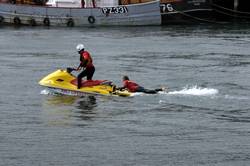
(86, 83)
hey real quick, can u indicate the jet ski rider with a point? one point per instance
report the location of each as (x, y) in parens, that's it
(86, 63)
(131, 86)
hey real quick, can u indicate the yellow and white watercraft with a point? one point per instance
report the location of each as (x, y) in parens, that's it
(63, 82)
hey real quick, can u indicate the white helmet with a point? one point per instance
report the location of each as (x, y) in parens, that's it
(80, 47)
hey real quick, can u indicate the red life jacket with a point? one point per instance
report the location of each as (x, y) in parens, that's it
(85, 57)
(130, 85)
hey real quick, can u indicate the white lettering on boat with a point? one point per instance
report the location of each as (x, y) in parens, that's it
(166, 8)
(115, 10)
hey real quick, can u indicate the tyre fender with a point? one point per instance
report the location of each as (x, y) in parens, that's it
(91, 19)
(46, 21)
(70, 22)
(17, 20)
(1, 19)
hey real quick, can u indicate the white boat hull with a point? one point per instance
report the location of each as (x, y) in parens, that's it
(125, 15)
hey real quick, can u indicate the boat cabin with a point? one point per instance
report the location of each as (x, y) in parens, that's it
(76, 3)
(92, 3)
(81, 3)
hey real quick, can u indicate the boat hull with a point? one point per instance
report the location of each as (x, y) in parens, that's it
(231, 10)
(124, 15)
(185, 11)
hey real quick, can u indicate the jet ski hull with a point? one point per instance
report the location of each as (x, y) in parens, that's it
(63, 82)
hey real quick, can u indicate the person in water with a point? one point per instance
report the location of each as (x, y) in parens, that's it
(86, 63)
(131, 86)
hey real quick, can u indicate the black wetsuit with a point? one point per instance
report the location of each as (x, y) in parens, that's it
(148, 91)
(89, 72)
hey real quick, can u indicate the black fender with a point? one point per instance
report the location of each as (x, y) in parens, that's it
(17, 20)
(1, 19)
(91, 19)
(46, 21)
(70, 22)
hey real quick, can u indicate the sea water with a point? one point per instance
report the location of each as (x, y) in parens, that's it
(202, 119)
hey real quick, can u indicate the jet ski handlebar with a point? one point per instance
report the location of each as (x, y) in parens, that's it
(69, 69)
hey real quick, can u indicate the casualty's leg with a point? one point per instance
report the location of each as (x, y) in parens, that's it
(144, 90)
(159, 89)
(149, 91)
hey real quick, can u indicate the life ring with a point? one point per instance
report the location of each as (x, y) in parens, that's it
(17, 20)
(32, 22)
(1, 19)
(46, 21)
(70, 22)
(91, 19)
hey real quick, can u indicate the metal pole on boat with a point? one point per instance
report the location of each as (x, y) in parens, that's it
(236, 4)
(93, 3)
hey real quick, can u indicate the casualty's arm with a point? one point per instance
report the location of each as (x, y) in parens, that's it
(124, 87)
(121, 88)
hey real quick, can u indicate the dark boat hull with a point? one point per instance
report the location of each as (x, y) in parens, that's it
(185, 11)
(231, 10)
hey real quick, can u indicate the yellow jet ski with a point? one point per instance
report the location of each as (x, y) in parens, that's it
(63, 82)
